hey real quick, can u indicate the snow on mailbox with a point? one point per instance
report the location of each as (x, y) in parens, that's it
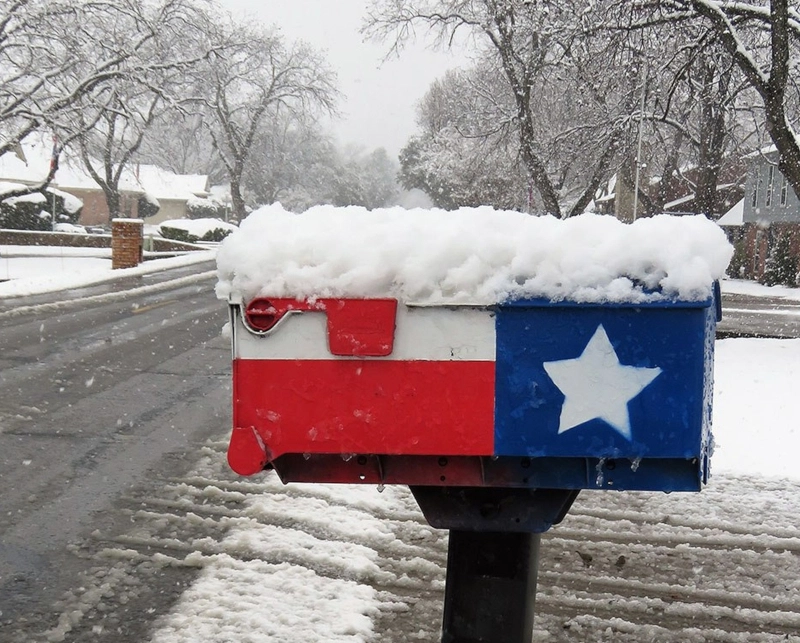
(474, 348)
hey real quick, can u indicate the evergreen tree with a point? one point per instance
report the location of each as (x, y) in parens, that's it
(781, 264)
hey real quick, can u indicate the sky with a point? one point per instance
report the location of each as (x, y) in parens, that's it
(380, 97)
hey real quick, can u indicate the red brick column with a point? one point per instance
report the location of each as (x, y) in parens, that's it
(126, 243)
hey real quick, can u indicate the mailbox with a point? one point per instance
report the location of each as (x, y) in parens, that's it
(496, 363)
(528, 394)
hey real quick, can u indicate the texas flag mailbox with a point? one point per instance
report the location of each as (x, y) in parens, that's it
(522, 393)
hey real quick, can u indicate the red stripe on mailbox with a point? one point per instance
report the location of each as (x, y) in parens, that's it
(367, 406)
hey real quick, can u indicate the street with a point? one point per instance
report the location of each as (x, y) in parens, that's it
(749, 316)
(99, 405)
(114, 417)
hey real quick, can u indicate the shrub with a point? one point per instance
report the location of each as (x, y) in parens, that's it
(148, 206)
(34, 211)
(738, 265)
(205, 209)
(217, 234)
(198, 230)
(177, 234)
(781, 268)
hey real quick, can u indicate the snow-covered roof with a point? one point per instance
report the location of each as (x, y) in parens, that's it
(764, 151)
(691, 196)
(607, 191)
(734, 216)
(71, 174)
(677, 202)
(471, 255)
(605, 198)
(163, 184)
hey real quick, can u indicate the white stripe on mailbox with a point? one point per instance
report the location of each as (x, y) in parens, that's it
(421, 333)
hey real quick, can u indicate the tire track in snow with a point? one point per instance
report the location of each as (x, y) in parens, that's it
(330, 534)
(659, 571)
(319, 563)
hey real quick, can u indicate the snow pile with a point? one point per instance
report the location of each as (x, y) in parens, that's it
(472, 255)
(756, 407)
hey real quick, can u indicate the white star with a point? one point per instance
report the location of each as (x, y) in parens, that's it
(596, 385)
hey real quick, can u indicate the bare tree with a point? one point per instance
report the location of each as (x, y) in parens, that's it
(71, 67)
(466, 151)
(108, 148)
(541, 53)
(179, 141)
(292, 161)
(691, 125)
(763, 42)
(45, 69)
(155, 83)
(252, 84)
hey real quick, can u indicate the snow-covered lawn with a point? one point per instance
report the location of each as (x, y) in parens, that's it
(756, 407)
(33, 270)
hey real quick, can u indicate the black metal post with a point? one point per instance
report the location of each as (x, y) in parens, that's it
(490, 587)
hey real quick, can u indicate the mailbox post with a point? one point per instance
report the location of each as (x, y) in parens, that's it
(496, 415)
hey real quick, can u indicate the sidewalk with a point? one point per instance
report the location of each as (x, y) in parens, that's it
(32, 270)
(755, 289)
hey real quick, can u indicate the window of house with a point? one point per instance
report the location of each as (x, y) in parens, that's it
(756, 180)
(784, 190)
(770, 183)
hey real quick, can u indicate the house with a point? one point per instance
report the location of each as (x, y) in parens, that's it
(169, 191)
(676, 194)
(770, 214)
(172, 192)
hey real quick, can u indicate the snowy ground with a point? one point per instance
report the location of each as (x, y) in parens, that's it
(337, 563)
(33, 270)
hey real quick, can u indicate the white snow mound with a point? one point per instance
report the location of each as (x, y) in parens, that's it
(472, 255)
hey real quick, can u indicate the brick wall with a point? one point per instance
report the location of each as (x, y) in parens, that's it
(62, 239)
(66, 239)
(126, 243)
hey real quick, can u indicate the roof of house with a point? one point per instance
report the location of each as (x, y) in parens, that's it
(734, 216)
(164, 184)
(683, 200)
(34, 168)
(71, 175)
(764, 151)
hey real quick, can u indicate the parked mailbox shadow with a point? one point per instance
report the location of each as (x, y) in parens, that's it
(495, 416)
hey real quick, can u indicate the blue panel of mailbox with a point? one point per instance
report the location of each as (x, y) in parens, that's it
(606, 396)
